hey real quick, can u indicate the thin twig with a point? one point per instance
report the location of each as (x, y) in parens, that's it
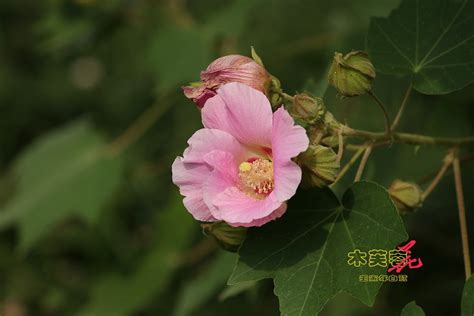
(348, 165)
(197, 253)
(384, 110)
(317, 139)
(462, 216)
(287, 97)
(177, 10)
(363, 162)
(401, 109)
(340, 149)
(354, 147)
(138, 127)
(467, 157)
(448, 160)
(406, 138)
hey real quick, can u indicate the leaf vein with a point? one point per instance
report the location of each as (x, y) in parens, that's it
(393, 44)
(317, 266)
(288, 244)
(445, 31)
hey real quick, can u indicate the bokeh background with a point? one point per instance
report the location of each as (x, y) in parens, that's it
(92, 116)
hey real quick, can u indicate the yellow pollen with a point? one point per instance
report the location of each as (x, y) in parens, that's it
(256, 177)
(245, 166)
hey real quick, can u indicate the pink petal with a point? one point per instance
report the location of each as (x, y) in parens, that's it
(197, 208)
(224, 163)
(259, 222)
(189, 177)
(288, 139)
(243, 112)
(193, 92)
(206, 140)
(224, 63)
(225, 175)
(234, 206)
(213, 186)
(236, 68)
(198, 95)
(287, 177)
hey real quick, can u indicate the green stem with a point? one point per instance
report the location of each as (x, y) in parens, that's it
(340, 150)
(401, 109)
(363, 162)
(287, 97)
(138, 127)
(462, 216)
(406, 138)
(448, 160)
(384, 110)
(347, 166)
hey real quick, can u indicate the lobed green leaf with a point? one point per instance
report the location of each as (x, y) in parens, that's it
(63, 173)
(306, 251)
(431, 40)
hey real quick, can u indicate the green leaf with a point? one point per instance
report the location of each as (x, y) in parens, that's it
(122, 295)
(237, 289)
(230, 20)
(202, 288)
(177, 55)
(63, 173)
(467, 301)
(58, 32)
(255, 56)
(411, 309)
(431, 40)
(306, 251)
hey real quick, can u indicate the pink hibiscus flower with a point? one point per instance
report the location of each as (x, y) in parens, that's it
(238, 169)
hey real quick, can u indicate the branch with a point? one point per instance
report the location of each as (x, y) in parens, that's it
(196, 254)
(340, 149)
(462, 216)
(401, 109)
(138, 127)
(287, 97)
(468, 158)
(347, 166)
(363, 162)
(406, 138)
(448, 160)
(384, 110)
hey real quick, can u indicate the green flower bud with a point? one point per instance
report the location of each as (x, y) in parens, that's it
(323, 130)
(228, 237)
(307, 109)
(331, 122)
(273, 87)
(330, 141)
(407, 196)
(320, 165)
(352, 74)
(274, 91)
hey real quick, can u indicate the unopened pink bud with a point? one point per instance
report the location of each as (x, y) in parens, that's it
(231, 68)
(198, 94)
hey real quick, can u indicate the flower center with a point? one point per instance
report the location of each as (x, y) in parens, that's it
(256, 177)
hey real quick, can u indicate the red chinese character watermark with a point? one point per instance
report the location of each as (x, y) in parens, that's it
(412, 263)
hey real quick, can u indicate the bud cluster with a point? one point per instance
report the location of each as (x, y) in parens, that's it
(320, 162)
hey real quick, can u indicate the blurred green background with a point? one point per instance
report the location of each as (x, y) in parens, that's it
(92, 116)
